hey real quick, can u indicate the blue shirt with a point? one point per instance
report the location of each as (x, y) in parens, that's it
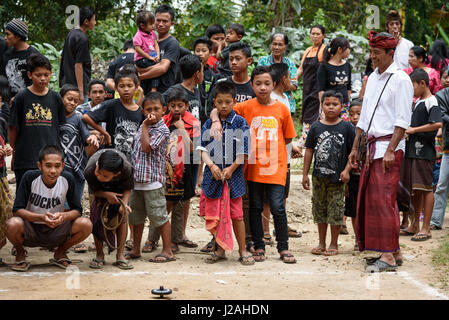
(235, 141)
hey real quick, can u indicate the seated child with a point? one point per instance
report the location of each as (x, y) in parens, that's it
(330, 140)
(40, 219)
(146, 46)
(110, 178)
(420, 155)
(148, 196)
(223, 183)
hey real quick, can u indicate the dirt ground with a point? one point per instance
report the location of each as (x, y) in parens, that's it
(312, 277)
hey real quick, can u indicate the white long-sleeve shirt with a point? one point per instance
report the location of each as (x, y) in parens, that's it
(395, 106)
(401, 53)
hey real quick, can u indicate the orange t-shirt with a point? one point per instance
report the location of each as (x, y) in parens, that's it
(269, 127)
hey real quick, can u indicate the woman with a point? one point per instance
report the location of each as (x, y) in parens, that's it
(439, 56)
(279, 44)
(334, 73)
(309, 67)
(418, 59)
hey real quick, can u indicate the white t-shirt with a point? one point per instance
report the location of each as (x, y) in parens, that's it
(284, 99)
(401, 53)
(395, 106)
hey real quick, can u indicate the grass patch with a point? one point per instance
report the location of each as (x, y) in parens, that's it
(440, 259)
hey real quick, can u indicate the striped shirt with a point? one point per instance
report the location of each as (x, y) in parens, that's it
(150, 167)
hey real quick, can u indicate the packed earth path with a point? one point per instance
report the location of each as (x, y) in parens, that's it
(312, 277)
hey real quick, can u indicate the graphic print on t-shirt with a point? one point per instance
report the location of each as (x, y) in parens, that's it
(260, 125)
(124, 135)
(39, 115)
(14, 75)
(328, 150)
(341, 78)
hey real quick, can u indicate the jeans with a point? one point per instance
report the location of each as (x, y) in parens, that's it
(441, 193)
(276, 200)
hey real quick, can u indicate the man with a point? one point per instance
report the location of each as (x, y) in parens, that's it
(127, 57)
(393, 25)
(76, 64)
(14, 60)
(166, 69)
(390, 89)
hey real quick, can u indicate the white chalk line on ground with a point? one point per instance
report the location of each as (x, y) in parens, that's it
(430, 291)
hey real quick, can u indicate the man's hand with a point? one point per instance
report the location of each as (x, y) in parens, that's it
(353, 159)
(112, 197)
(52, 220)
(306, 182)
(388, 160)
(344, 176)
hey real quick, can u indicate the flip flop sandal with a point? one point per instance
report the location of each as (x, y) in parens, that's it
(97, 263)
(287, 255)
(188, 244)
(344, 229)
(330, 252)
(16, 266)
(292, 233)
(132, 256)
(210, 247)
(406, 233)
(92, 247)
(80, 248)
(259, 256)
(160, 255)
(2, 264)
(434, 227)
(250, 247)
(318, 251)
(149, 246)
(174, 248)
(14, 252)
(60, 263)
(267, 239)
(380, 266)
(214, 258)
(421, 237)
(122, 264)
(129, 244)
(245, 260)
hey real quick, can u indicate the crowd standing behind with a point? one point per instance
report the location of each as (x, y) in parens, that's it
(187, 122)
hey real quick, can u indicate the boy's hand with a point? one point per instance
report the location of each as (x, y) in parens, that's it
(227, 173)
(107, 140)
(127, 208)
(216, 130)
(8, 151)
(179, 124)
(344, 176)
(58, 219)
(93, 140)
(216, 172)
(306, 182)
(150, 120)
(49, 220)
(296, 152)
(112, 197)
(410, 130)
(353, 159)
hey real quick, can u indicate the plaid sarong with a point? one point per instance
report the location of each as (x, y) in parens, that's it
(377, 222)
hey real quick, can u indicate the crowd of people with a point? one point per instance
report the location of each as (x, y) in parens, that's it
(170, 123)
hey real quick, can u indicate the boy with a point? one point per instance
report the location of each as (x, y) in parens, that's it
(148, 196)
(420, 154)
(281, 78)
(202, 47)
(96, 92)
(223, 170)
(110, 178)
(271, 129)
(40, 219)
(122, 116)
(216, 35)
(36, 114)
(330, 141)
(14, 62)
(235, 33)
(180, 187)
(76, 65)
(353, 185)
(127, 57)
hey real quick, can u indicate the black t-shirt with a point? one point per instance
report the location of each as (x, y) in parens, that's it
(4, 117)
(170, 50)
(3, 48)
(121, 124)
(119, 184)
(37, 119)
(421, 145)
(209, 80)
(332, 146)
(224, 67)
(336, 78)
(120, 61)
(243, 91)
(195, 106)
(14, 67)
(76, 50)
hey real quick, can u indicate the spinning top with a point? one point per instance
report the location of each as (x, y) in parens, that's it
(161, 292)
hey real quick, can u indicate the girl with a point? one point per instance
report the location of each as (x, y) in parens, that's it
(334, 73)
(418, 60)
(147, 47)
(74, 136)
(439, 56)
